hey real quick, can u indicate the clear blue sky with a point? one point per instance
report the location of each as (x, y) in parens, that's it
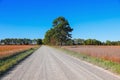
(99, 19)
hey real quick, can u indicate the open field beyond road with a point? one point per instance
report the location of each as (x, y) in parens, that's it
(111, 53)
(51, 64)
(8, 50)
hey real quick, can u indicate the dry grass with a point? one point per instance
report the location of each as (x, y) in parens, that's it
(8, 50)
(111, 53)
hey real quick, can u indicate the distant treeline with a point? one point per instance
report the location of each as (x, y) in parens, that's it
(25, 41)
(16, 41)
(60, 34)
(91, 42)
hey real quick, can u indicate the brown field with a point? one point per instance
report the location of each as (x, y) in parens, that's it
(7, 50)
(105, 52)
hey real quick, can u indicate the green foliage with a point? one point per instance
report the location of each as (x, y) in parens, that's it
(108, 42)
(70, 42)
(60, 33)
(39, 41)
(112, 42)
(49, 37)
(17, 41)
(87, 42)
(92, 42)
(78, 41)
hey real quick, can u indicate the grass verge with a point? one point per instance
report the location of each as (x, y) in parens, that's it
(106, 64)
(9, 62)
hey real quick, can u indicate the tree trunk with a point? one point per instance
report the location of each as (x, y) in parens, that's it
(60, 43)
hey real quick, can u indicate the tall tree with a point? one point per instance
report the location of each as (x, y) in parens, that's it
(39, 41)
(49, 37)
(62, 30)
(60, 33)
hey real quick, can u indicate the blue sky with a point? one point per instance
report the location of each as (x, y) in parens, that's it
(99, 19)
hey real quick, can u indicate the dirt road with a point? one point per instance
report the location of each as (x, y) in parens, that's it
(50, 64)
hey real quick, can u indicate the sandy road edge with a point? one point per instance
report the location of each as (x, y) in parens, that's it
(88, 63)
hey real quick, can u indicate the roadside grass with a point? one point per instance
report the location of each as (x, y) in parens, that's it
(106, 64)
(9, 62)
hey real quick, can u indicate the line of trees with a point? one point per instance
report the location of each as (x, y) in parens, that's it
(59, 34)
(16, 41)
(91, 42)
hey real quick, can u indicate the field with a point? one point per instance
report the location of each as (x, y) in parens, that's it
(111, 53)
(7, 50)
(10, 55)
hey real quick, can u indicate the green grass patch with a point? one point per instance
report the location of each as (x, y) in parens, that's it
(9, 62)
(106, 64)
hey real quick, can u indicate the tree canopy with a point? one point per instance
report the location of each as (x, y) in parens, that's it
(17, 41)
(59, 34)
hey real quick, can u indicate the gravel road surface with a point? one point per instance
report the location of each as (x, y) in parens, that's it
(50, 64)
